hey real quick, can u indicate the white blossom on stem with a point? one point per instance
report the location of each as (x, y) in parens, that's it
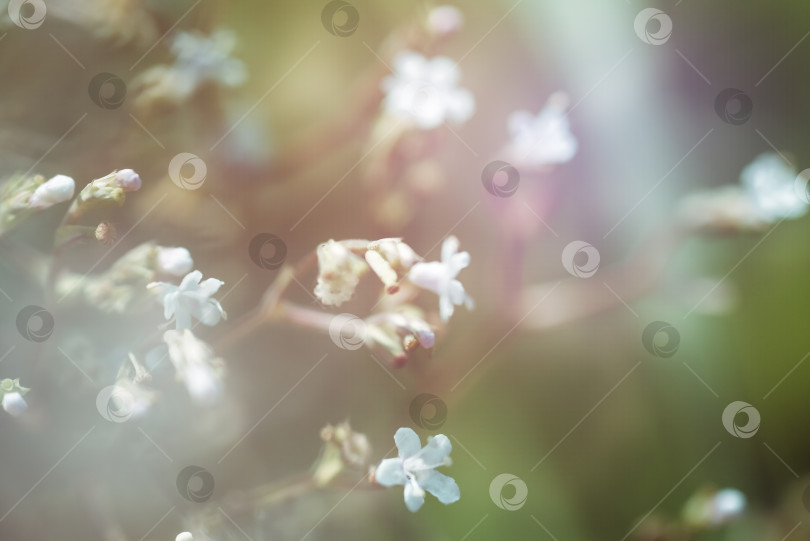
(542, 139)
(425, 91)
(191, 299)
(440, 278)
(415, 469)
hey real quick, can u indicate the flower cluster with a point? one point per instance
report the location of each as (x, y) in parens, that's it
(340, 267)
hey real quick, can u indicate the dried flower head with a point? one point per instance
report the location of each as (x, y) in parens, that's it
(339, 271)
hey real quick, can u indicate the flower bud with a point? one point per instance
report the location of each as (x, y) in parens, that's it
(175, 261)
(128, 180)
(390, 259)
(14, 403)
(444, 20)
(55, 190)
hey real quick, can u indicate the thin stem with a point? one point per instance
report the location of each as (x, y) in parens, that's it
(268, 306)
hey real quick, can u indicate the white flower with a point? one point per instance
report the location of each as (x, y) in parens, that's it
(769, 181)
(55, 190)
(184, 536)
(415, 469)
(14, 403)
(726, 505)
(712, 509)
(542, 139)
(440, 278)
(203, 59)
(191, 299)
(176, 261)
(425, 92)
(195, 365)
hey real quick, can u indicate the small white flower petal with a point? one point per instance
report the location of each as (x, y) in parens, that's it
(428, 276)
(440, 485)
(210, 287)
(175, 261)
(445, 308)
(414, 496)
(455, 292)
(169, 305)
(449, 248)
(435, 452)
(459, 262)
(209, 313)
(407, 441)
(191, 280)
(390, 472)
